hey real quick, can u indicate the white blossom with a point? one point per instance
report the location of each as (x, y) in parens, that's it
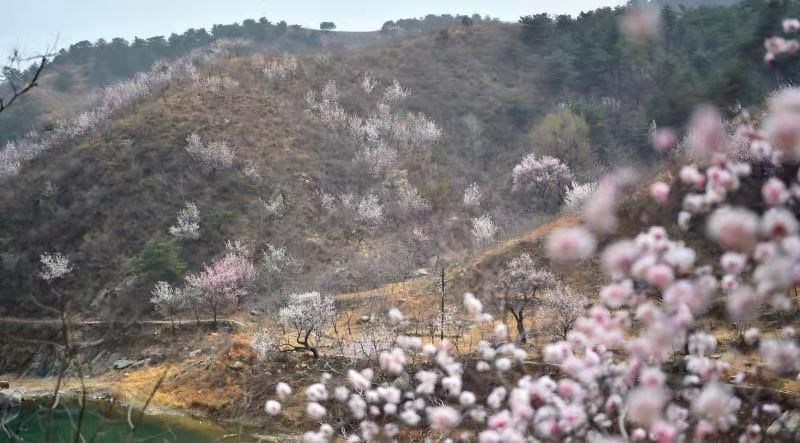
(472, 195)
(188, 226)
(576, 194)
(54, 266)
(211, 156)
(483, 230)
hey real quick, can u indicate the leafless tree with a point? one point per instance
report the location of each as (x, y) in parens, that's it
(15, 84)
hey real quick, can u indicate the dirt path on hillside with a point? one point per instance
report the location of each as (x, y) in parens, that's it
(56, 321)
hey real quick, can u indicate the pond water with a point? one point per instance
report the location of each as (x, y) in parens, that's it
(102, 423)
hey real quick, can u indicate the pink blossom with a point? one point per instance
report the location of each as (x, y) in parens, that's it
(638, 434)
(616, 295)
(410, 417)
(317, 392)
(272, 407)
(733, 263)
(733, 228)
(645, 405)
(427, 382)
(556, 352)
(664, 139)
(791, 25)
(652, 378)
(443, 418)
(466, 398)
(775, 192)
(283, 390)
(681, 257)
(782, 356)
(706, 133)
(452, 385)
(570, 244)
(778, 223)
(500, 332)
(572, 418)
(395, 315)
(660, 276)
(316, 410)
(548, 428)
(641, 23)
(716, 404)
(472, 305)
(692, 176)
(619, 257)
(359, 380)
(771, 408)
(489, 436)
(751, 336)
(683, 220)
(499, 421)
(393, 361)
(660, 192)
(495, 399)
(663, 432)
(743, 303)
(502, 364)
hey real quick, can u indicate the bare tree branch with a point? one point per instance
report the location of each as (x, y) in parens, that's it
(18, 90)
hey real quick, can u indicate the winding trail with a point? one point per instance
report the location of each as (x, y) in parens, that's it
(56, 321)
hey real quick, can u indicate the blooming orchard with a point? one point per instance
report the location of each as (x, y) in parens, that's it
(637, 365)
(101, 106)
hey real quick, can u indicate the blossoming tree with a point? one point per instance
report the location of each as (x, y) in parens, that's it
(306, 314)
(223, 283)
(614, 374)
(517, 287)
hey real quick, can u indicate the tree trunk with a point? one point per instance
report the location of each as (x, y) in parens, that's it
(308, 346)
(441, 309)
(519, 318)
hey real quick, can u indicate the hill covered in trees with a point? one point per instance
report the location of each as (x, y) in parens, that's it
(327, 194)
(568, 87)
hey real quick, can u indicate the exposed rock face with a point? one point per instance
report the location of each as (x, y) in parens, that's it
(123, 363)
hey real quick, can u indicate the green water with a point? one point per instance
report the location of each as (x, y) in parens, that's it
(102, 423)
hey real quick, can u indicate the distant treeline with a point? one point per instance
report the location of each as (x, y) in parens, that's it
(432, 22)
(712, 54)
(118, 58)
(86, 65)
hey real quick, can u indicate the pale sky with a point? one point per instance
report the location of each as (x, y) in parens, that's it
(34, 25)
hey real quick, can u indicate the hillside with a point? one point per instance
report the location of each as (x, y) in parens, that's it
(564, 229)
(490, 88)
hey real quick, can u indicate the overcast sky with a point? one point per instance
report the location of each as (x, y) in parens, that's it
(32, 26)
